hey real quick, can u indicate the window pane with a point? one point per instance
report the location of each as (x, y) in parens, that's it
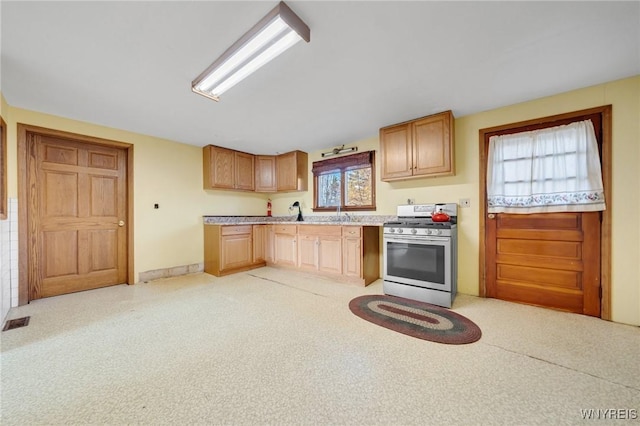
(358, 191)
(329, 189)
(347, 182)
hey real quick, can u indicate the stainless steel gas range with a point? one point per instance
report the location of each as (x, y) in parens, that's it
(420, 255)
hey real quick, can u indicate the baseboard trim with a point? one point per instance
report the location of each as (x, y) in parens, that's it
(175, 271)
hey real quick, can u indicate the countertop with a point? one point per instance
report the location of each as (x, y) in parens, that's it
(353, 220)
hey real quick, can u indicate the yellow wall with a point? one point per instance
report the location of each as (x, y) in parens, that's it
(165, 172)
(170, 174)
(624, 95)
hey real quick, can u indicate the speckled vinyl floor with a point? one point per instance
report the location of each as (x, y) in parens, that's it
(279, 347)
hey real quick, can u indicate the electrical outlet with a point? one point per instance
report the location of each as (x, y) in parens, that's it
(465, 202)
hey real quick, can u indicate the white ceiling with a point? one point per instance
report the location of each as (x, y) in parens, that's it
(129, 65)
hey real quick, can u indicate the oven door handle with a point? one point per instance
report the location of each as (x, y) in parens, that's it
(416, 239)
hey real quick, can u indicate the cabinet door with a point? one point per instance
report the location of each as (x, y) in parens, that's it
(244, 177)
(259, 243)
(396, 152)
(352, 257)
(285, 249)
(236, 252)
(291, 171)
(330, 254)
(269, 242)
(308, 252)
(265, 175)
(219, 167)
(433, 145)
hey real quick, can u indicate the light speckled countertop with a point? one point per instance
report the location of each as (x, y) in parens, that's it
(355, 220)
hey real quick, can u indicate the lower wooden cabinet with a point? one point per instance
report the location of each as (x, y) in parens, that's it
(236, 251)
(352, 251)
(269, 249)
(285, 248)
(259, 245)
(346, 253)
(361, 254)
(320, 248)
(232, 248)
(330, 254)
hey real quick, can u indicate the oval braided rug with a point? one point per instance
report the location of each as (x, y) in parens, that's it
(417, 319)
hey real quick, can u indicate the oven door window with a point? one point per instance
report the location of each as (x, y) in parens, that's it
(419, 262)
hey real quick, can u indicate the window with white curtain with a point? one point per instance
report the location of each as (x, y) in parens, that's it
(556, 169)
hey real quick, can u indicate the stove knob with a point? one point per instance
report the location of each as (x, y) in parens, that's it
(413, 231)
(392, 230)
(400, 231)
(438, 232)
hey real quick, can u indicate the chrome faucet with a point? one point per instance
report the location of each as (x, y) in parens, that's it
(342, 217)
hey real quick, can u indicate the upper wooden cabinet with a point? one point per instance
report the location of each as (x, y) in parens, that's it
(227, 169)
(245, 178)
(266, 173)
(218, 167)
(418, 148)
(291, 171)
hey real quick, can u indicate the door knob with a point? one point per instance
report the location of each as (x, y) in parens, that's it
(491, 216)
(121, 223)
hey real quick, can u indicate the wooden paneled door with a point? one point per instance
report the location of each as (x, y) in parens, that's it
(555, 260)
(76, 195)
(549, 259)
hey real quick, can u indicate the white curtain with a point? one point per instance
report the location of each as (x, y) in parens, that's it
(556, 169)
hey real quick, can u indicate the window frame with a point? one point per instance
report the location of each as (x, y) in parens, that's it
(344, 164)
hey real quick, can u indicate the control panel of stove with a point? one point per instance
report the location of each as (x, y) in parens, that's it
(417, 231)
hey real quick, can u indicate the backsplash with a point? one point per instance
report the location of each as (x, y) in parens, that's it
(372, 220)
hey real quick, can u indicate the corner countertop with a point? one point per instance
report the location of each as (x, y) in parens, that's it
(354, 220)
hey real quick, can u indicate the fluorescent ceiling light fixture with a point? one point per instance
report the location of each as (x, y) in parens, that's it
(276, 32)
